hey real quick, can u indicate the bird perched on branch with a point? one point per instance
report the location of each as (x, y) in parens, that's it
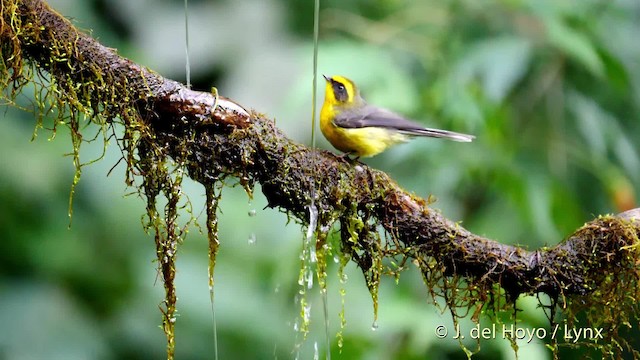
(355, 127)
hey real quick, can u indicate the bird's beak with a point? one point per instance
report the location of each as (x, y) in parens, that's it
(326, 78)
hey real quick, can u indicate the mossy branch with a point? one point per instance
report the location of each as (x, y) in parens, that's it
(211, 138)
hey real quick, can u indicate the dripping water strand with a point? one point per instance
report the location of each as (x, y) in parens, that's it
(214, 244)
(313, 224)
(214, 323)
(252, 213)
(325, 308)
(316, 31)
(186, 47)
(313, 211)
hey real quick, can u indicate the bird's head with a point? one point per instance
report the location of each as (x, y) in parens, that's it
(340, 90)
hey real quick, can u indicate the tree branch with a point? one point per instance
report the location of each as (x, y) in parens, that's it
(212, 142)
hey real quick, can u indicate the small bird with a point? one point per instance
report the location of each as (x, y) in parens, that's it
(357, 128)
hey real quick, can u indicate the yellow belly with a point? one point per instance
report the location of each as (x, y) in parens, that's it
(362, 142)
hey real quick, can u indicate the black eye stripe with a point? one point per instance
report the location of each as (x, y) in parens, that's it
(340, 91)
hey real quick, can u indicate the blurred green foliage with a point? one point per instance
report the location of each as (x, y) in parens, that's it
(550, 89)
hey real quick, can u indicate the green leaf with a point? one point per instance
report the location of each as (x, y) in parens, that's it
(575, 45)
(500, 63)
(591, 121)
(616, 72)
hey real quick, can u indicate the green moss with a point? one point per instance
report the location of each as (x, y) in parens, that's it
(611, 287)
(76, 92)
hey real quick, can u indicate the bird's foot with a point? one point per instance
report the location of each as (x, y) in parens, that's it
(347, 159)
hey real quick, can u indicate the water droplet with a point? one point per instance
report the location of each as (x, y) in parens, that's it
(313, 221)
(316, 352)
(252, 239)
(309, 279)
(336, 259)
(306, 313)
(343, 278)
(252, 212)
(312, 254)
(374, 326)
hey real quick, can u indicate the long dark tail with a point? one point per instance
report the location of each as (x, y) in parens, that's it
(437, 133)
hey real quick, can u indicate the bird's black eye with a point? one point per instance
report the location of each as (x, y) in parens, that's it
(340, 92)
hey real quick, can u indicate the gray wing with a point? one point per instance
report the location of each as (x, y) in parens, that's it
(371, 116)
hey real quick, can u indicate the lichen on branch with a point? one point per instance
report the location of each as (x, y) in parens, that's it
(171, 131)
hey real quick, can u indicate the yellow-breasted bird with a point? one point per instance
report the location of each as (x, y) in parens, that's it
(355, 127)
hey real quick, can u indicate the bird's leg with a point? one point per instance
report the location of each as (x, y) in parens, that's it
(345, 157)
(357, 160)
